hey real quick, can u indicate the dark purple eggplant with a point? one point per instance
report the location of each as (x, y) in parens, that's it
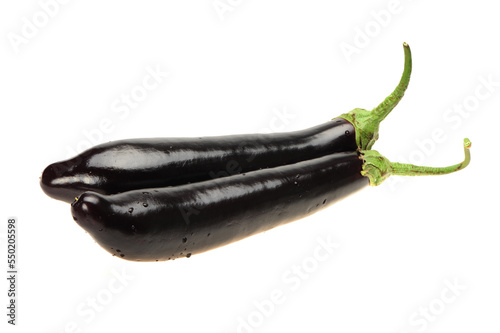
(125, 165)
(159, 224)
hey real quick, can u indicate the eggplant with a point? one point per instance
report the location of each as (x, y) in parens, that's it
(158, 224)
(124, 165)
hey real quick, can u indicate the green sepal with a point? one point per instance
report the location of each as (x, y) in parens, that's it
(366, 123)
(378, 168)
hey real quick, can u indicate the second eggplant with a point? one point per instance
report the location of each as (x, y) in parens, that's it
(159, 224)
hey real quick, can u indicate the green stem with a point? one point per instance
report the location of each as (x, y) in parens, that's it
(378, 168)
(366, 123)
(383, 109)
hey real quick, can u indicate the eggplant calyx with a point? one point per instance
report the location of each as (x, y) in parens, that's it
(367, 122)
(378, 168)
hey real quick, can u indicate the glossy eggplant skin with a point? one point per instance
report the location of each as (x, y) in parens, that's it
(125, 165)
(159, 224)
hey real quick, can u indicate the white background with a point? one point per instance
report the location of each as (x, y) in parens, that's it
(239, 69)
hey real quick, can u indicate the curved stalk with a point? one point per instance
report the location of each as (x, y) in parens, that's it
(378, 168)
(367, 122)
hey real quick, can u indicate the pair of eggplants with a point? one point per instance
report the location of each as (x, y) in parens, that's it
(166, 198)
